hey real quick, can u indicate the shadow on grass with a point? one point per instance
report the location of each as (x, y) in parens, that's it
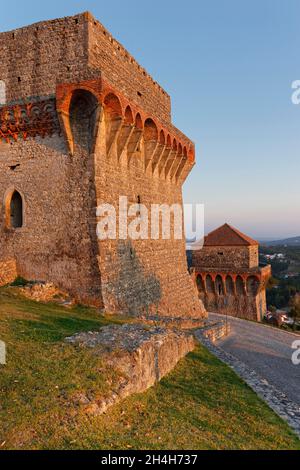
(53, 329)
(51, 322)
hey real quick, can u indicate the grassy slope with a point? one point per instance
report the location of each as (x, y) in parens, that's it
(201, 405)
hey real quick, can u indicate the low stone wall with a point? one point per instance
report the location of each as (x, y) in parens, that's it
(142, 354)
(8, 271)
(174, 322)
(248, 307)
(215, 330)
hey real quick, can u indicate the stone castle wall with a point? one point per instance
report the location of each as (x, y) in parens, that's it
(54, 243)
(66, 161)
(121, 69)
(230, 281)
(34, 59)
(226, 257)
(248, 307)
(154, 271)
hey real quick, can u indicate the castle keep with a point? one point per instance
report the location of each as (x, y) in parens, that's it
(81, 123)
(227, 273)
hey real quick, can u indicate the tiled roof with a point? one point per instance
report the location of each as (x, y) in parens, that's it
(228, 236)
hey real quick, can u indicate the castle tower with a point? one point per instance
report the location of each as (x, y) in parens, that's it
(81, 124)
(227, 273)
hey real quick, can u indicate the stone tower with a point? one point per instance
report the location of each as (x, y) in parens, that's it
(227, 273)
(81, 124)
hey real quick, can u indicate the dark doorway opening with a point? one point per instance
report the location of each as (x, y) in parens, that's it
(16, 210)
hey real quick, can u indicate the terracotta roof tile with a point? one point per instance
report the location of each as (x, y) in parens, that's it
(228, 236)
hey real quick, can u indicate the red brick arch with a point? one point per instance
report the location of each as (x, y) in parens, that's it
(116, 105)
(138, 121)
(150, 130)
(162, 137)
(129, 119)
(112, 105)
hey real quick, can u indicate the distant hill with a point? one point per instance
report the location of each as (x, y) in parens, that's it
(294, 241)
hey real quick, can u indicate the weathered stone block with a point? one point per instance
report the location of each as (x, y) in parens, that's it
(142, 355)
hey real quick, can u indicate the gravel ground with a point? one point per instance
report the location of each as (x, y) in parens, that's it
(265, 350)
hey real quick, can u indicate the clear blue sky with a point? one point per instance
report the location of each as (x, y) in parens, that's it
(228, 66)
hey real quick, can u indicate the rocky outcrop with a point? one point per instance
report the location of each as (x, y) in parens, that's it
(142, 354)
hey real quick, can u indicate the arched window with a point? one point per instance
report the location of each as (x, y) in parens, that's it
(240, 285)
(229, 285)
(200, 283)
(210, 286)
(2, 92)
(16, 210)
(219, 285)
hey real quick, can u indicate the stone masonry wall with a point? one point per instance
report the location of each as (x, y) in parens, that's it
(61, 190)
(236, 306)
(225, 257)
(253, 256)
(8, 271)
(141, 355)
(124, 73)
(35, 58)
(140, 277)
(154, 271)
(54, 243)
(242, 306)
(70, 50)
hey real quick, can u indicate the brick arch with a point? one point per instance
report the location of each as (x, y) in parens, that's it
(219, 286)
(229, 285)
(210, 285)
(200, 283)
(112, 105)
(150, 130)
(128, 115)
(169, 141)
(174, 144)
(138, 121)
(162, 137)
(240, 285)
(85, 94)
(83, 113)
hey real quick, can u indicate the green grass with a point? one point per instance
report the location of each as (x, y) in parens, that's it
(202, 404)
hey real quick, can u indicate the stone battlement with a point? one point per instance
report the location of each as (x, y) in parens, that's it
(57, 51)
